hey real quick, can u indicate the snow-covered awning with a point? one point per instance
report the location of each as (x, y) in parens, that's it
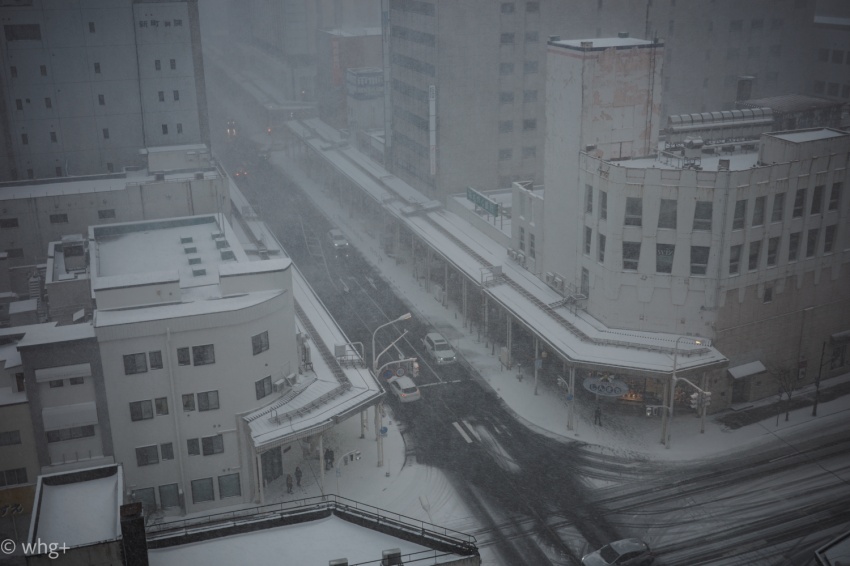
(745, 370)
(63, 372)
(68, 416)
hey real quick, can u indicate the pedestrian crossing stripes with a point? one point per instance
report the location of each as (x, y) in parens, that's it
(462, 433)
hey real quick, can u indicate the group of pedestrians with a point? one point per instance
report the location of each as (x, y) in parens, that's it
(298, 475)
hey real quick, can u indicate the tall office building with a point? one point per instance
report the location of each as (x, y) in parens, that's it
(86, 85)
(466, 78)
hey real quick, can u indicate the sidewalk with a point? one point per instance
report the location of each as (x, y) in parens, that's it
(627, 434)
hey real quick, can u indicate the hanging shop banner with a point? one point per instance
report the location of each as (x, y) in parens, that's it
(605, 386)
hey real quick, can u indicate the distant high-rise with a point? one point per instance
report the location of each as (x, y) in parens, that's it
(86, 85)
(466, 86)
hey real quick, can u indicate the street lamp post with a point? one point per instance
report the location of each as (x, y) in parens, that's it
(673, 380)
(378, 438)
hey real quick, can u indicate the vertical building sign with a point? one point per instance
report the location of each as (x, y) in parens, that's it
(432, 127)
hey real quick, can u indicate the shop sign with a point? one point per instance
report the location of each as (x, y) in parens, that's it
(605, 386)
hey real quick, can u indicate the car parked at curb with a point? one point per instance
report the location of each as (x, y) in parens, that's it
(439, 349)
(337, 241)
(626, 552)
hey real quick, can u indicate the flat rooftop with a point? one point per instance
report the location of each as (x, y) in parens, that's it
(187, 245)
(599, 43)
(803, 136)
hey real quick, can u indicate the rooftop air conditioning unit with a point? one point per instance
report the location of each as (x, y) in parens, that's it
(520, 258)
(512, 253)
(548, 277)
(280, 385)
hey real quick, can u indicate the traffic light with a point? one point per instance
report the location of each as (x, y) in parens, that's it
(694, 400)
(706, 398)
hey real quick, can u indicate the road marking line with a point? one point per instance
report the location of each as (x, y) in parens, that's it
(472, 430)
(462, 433)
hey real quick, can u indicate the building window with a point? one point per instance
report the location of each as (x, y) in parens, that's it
(13, 71)
(161, 404)
(532, 37)
(169, 495)
(173, 64)
(588, 198)
(839, 356)
(202, 490)
(141, 410)
(585, 282)
(664, 258)
(188, 401)
(161, 95)
(72, 433)
(506, 97)
(508, 7)
(778, 207)
(699, 259)
(735, 260)
(834, 196)
(506, 38)
(506, 69)
(208, 401)
(165, 129)
(43, 70)
(147, 455)
(263, 387)
(179, 128)
(600, 250)
(532, 253)
(10, 437)
(106, 133)
(260, 342)
(56, 383)
(135, 363)
(76, 380)
(755, 251)
(529, 152)
(167, 450)
(20, 382)
(631, 255)
(532, 7)
(529, 67)
(25, 139)
(823, 55)
(758, 211)
(768, 294)
(48, 103)
(794, 246)
(19, 104)
(176, 95)
(229, 486)
(110, 167)
(506, 126)
(105, 214)
(529, 96)
(13, 477)
(817, 200)
(529, 124)
(772, 250)
(740, 215)
(603, 205)
(799, 203)
(183, 358)
(8, 223)
(828, 238)
(812, 242)
(97, 68)
(521, 239)
(157, 65)
(702, 215)
(212, 444)
(91, 27)
(588, 235)
(193, 447)
(505, 154)
(667, 215)
(634, 211)
(58, 171)
(203, 355)
(837, 56)
(54, 139)
(12, 253)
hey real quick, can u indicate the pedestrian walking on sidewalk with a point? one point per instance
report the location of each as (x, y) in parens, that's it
(597, 416)
(288, 483)
(298, 476)
(327, 458)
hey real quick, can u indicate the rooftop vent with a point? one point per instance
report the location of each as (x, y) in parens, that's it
(191, 250)
(227, 254)
(198, 271)
(623, 34)
(586, 44)
(723, 165)
(217, 235)
(554, 38)
(199, 176)
(186, 240)
(160, 176)
(194, 260)
(221, 244)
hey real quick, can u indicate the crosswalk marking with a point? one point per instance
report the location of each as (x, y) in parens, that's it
(462, 433)
(472, 430)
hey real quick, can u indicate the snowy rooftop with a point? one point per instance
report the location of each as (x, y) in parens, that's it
(314, 542)
(737, 161)
(93, 496)
(803, 136)
(598, 43)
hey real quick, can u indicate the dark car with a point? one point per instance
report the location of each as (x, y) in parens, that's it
(626, 552)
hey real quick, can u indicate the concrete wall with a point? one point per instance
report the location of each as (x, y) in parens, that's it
(17, 417)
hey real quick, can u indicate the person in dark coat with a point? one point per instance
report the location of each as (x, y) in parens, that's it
(331, 458)
(597, 416)
(298, 476)
(327, 458)
(288, 483)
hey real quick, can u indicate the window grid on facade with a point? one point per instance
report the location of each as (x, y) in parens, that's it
(758, 211)
(212, 445)
(263, 387)
(735, 259)
(532, 252)
(634, 211)
(147, 455)
(799, 203)
(740, 215)
(203, 355)
(794, 246)
(778, 207)
(188, 401)
(521, 239)
(173, 64)
(229, 486)
(161, 95)
(72, 433)
(155, 356)
(699, 260)
(755, 252)
(603, 205)
(829, 238)
(600, 250)
(161, 404)
(588, 235)
(631, 255)
(702, 215)
(768, 294)
(183, 357)
(667, 213)
(588, 198)
(208, 401)
(812, 242)
(664, 257)
(135, 363)
(772, 251)
(834, 196)
(817, 200)
(193, 446)
(202, 490)
(141, 410)
(260, 342)
(167, 450)
(506, 126)
(506, 38)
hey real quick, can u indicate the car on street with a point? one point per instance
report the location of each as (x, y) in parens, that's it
(404, 389)
(439, 349)
(337, 241)
(626, 552)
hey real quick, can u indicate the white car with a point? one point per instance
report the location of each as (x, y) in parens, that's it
(439, 349)
(404, 389)
(626, 552)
